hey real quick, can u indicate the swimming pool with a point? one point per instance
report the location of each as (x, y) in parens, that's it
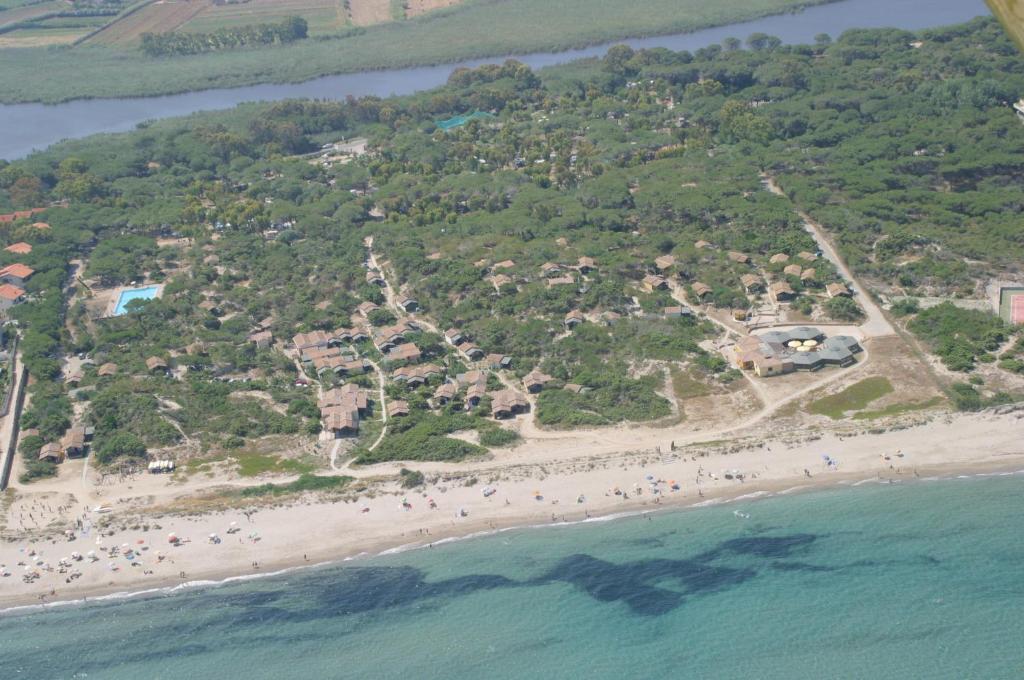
(129, 294)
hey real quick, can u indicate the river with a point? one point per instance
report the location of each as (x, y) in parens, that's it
(28, 127)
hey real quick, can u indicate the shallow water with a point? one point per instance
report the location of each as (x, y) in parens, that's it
(920, 580)
(27, 127)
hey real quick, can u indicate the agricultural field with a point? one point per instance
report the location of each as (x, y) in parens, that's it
(414, 8)
(12, 13)
(41, 36)
(159, 17)
(323, 16)
(369, 12)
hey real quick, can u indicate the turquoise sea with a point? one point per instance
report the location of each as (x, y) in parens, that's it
(918, 580)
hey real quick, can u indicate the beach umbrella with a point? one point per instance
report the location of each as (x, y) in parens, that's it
(649, 477)
(172, 538)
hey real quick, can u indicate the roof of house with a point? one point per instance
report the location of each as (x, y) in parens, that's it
(664, 262)
(260, 336)
(9, 292)
(550, 267)
(311, 339)
(701, 289)
(701, 244)
(346, 395)
(107, 369)
(154, 363)
(834, 289)
(340, 417)
(792, 270)
(504, 264)
(535, 377)
(586, 262)
(446, 390)
(749, 280)
(365, 308)
(406, 351)
(19, 248)
(575, 315)
(561, 281)
(453, 333)
(654, 280)
(496, 359)
(778, 258)
(808, 273)
(50, 450)
(736, 256)
(17, 269)
(780, 287)
(398, 407)
(500, 280)
(804, 255)
(506, 400)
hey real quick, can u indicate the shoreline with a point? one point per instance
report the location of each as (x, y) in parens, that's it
(754, 491)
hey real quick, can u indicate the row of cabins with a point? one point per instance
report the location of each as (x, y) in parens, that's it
(803, 348)
(505, 403)
(584, 265)
(74, 444)
(406, 302)
(460, 341)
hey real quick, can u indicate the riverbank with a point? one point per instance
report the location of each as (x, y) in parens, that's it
(524, 495)
(40, 125)
(464, 31)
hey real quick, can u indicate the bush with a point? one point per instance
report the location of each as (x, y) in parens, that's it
(494, 436)
(843, 309)
(120, 445)
(306, 482)
(905, 307)
(410, 478)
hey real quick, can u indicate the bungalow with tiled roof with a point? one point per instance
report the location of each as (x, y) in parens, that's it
(16, 274)
(780, 291)
(751, 283)
(792, 270)
(738, 257)
(303, 341)
(405, 352)
(585, 265)
(664, 262)
(445, 392)
(808, 274)
(19, 248)
(779, 258)
(374, 278)
(107, 370)
(504, 264)
(472, 352)
(454, 337)
(51, 453)
(561, 281)
(535, 381)
(507, 403)
(342, 420)
(573, 319)
(10, 296)
(262, 339)
(498, 361)
(397, 408)
(408, 303)
(701, 244)
(365, 308)
(700, 289)
(806, 256)
(75, 441)
(653, 282)
(346, 395)
(156, 364)
(550, 268)
(499, 280)
(837, 290)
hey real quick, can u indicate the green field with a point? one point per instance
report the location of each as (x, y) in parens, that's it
(853, 398)
(461, 32)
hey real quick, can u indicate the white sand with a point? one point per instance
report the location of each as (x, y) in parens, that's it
(312, 532)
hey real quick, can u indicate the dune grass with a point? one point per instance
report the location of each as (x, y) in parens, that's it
(853, 398)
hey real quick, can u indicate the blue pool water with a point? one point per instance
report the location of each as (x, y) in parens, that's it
(129, 294)
(921, 580)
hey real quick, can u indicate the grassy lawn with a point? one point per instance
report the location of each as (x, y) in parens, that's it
(253, 464)
(460, 32)
(853, 398)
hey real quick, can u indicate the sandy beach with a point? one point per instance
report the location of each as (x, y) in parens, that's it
(264, 538)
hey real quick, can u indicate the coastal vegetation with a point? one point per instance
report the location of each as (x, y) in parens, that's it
(538, 230)
(852, 398)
